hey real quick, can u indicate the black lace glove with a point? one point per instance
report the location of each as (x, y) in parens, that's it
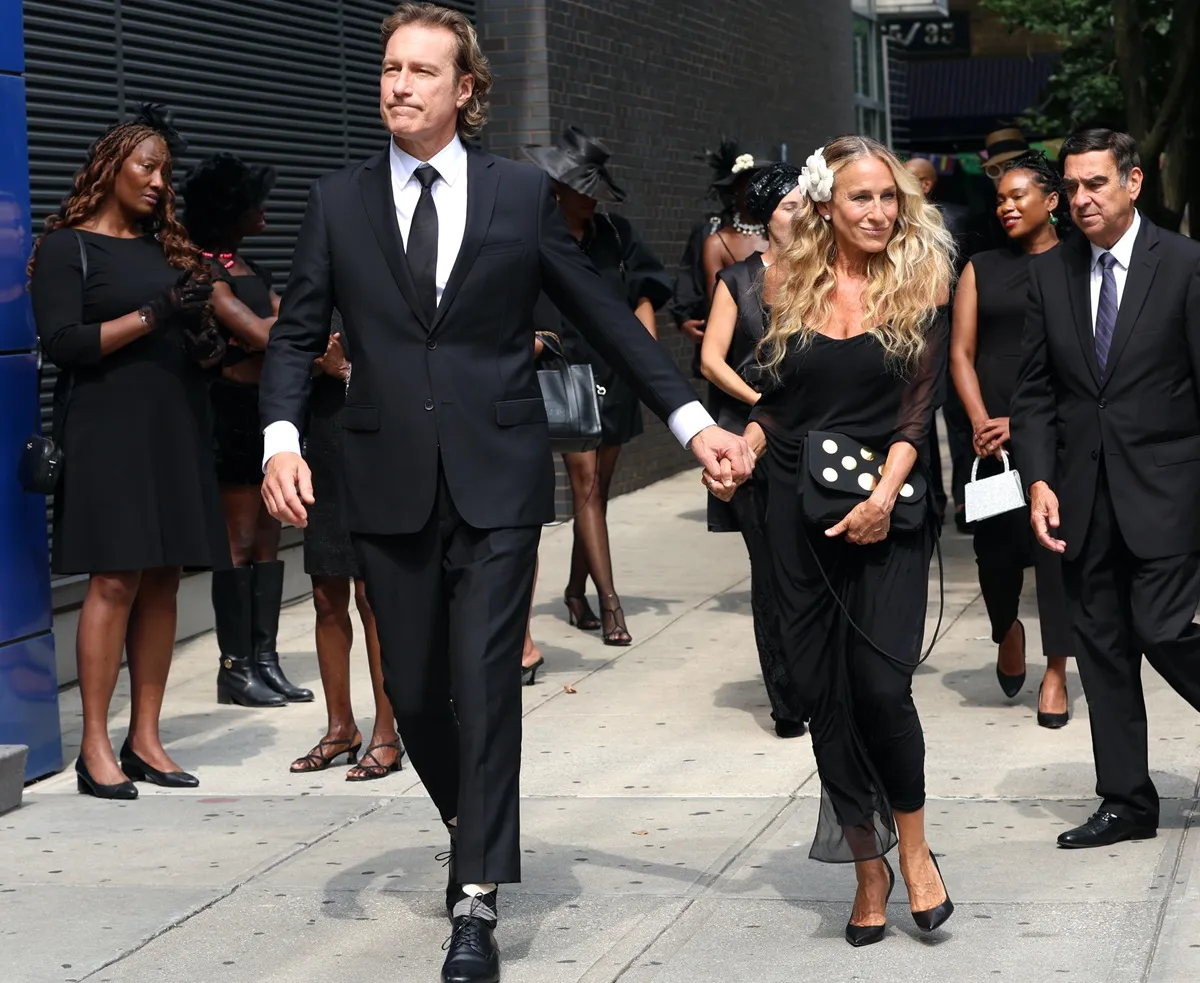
(187, 296)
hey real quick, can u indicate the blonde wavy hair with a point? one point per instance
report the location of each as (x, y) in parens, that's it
(469, 57)
(906, 282)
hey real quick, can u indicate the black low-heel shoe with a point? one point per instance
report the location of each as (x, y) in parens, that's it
(787, 729)
(139, 771)
(931, 919)
(89, 786)
(1012, 684)
(860, 935)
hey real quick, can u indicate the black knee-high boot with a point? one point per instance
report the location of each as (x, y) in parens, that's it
(238, 679)
(268, 596)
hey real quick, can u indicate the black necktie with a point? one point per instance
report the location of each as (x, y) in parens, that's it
(422, 249)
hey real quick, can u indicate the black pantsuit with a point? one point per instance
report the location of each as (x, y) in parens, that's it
(451, 588)
(1122, 607)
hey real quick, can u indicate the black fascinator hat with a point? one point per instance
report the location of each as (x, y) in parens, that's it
(577, 161)
(218, 191)
(157, 117)
(769, 187)
(731, 165)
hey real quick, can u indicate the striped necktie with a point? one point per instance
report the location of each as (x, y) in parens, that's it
(1106, 310)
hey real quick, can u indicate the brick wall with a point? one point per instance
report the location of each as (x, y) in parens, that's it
(660, 82)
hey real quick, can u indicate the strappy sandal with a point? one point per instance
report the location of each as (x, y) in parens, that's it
(370, 772)
(580, 614)
(318, 760)
(618, 634)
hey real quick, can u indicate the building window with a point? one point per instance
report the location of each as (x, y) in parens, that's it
(870, 96)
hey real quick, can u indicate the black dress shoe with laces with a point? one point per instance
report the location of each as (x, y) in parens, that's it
(1105, 829)
(471, 953)
(454, 892)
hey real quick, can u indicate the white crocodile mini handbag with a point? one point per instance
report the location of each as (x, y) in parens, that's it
(988, 497)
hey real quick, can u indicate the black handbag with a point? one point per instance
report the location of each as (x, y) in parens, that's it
(39, 468)
(840, 472)
(571, 397)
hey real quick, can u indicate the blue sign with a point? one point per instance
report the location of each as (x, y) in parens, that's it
(17, 331)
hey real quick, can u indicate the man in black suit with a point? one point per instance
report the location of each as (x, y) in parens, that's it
(1106, 425)
(435, 255)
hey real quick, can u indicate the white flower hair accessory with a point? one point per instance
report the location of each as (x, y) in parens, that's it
(743, 163)
(816, 178)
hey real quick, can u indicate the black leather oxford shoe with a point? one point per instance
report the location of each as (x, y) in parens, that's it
(472, 956)
(1105, 829)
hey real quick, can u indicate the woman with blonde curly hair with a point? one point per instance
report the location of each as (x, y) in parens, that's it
(120, 296)
(849, 364)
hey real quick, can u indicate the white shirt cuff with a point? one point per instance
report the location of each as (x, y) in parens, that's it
(689, 420)
(279, 437)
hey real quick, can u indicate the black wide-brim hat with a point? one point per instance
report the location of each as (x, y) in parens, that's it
(224, 184)
(577, 161)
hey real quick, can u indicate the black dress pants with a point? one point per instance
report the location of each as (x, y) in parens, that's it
(1004, 547)
(451, 603)
(1123, 606)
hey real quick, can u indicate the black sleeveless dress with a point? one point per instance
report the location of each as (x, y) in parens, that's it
(1005, 544)
(746, 512)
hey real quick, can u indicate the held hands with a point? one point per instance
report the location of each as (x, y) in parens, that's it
(727, 459)
(991, 436)
(334, 362)
(1043, 516)
(287, 488)
(868, 522)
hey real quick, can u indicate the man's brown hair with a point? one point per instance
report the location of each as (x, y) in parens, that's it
(470, 59)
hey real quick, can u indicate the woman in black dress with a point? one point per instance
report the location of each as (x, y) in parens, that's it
(224, 204)
(739, 315)
(985, 356)
(850, 366)
(138, 498)
(330, 560)
(744, 235)
(576, 164)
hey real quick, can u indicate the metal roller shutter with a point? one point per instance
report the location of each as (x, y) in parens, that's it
(275, 82)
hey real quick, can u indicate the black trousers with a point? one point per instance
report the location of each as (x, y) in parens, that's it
(866, 734)
(1123, 606)
(1004, 547)
(451, 603)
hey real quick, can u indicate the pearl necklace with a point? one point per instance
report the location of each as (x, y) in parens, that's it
(747, 228)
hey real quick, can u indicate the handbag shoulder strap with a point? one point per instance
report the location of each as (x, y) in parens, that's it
(937, 541)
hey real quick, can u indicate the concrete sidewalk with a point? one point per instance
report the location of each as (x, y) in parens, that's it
(666, 829)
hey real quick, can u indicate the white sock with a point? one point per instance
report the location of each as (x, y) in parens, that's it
(477, 890)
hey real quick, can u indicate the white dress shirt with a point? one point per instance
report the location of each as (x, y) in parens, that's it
(1123, 254)
(450, 198)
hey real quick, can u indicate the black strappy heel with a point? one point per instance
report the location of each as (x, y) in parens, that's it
(580, 614)
(618, 634)
(317, 760)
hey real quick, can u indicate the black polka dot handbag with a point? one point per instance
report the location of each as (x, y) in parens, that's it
(839, 472)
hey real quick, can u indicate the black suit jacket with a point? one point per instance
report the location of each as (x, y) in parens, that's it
(463, 386)
(1143, 415)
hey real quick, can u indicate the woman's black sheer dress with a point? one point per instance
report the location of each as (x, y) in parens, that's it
(746, 512)
(866, 735)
